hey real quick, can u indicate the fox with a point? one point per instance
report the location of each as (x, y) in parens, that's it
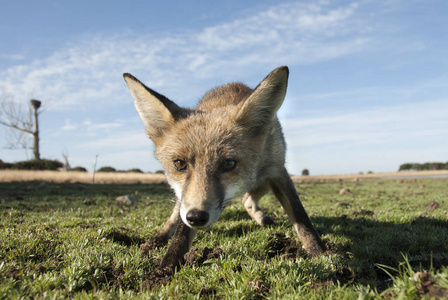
(230, 145)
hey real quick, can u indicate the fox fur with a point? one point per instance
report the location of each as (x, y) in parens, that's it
(230, 145)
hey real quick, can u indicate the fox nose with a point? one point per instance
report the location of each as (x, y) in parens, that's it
(197, 217)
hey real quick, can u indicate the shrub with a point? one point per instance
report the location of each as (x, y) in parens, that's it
(5, 165)
(160, 172)
(106, 169)
(305, 172)
(425, 166)
(78, 169)
(41, 164)
(405, 167)
(134, 171)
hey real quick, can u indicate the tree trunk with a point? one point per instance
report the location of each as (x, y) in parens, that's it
(36, 105)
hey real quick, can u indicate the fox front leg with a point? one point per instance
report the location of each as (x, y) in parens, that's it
(286, 193)
(180, 245)
(250, 203)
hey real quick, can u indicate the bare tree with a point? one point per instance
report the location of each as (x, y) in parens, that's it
(23, 124)
(67, 166)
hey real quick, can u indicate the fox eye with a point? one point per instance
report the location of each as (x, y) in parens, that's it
(228, 165)
(180, 165)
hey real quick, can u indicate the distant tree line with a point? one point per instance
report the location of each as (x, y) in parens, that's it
(38, 164)
(112, 169)
(53, 165)
(109, 169)
(35, 164)
(423, 167)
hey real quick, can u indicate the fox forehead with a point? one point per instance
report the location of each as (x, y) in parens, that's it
(203, 134)
(211, 129)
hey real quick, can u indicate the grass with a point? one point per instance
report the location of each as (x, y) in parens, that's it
(72, 240)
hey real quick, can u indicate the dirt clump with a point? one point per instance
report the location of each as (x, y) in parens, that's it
(260, 287)
(425, 284)
(113, 277)
(88, 225)
(13, 272)
(432, 205)
(198, 256)
(284, 246)
(342, 276)
(40, 269)
(195, 257)
(157, 278)
(144, 248)
(208, 293)
(345, 191)
(362, 212)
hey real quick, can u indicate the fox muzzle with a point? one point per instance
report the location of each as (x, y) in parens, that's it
(197, 218)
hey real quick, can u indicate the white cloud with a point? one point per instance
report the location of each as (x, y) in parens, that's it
(87, 125)
(68, 126)
(90, 70)
(371, 126)
(281, 25)
(118, 141)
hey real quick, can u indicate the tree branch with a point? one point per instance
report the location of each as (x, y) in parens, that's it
(14, 126)
(19, 122)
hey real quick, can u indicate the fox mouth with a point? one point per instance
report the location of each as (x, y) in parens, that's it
(204, 216)
(206, 227)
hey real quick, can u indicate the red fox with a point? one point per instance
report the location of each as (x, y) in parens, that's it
(230, 145)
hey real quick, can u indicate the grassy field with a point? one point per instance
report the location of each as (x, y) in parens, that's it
(386, 239)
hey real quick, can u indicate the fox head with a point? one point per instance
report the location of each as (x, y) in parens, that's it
(218, 150)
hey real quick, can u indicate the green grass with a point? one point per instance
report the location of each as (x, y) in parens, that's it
(385, 241)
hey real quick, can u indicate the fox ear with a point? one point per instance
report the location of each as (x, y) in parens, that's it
(260, 109)
(157, 112)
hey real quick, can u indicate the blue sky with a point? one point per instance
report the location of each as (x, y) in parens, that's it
(368, 85)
